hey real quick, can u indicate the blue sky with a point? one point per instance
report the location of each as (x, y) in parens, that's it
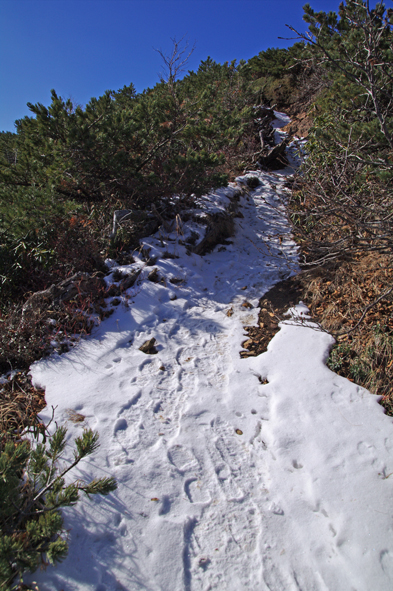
(83, 47)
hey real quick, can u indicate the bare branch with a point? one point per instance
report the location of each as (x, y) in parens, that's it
(174, 62)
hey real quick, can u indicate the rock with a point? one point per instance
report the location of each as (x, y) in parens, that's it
(148, 347)
(130, 280)
(253, 182)
(274, 158)
(176, 280)
(220, 226)
(154, 276)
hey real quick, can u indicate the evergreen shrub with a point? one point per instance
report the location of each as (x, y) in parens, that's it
(32, 492)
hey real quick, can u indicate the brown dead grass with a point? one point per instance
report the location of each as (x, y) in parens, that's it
(20, 403)
(337, 297)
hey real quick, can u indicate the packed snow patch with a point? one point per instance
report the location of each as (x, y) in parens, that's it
(268, 473)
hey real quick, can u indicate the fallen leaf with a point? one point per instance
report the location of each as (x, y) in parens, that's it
(247, 343)
(247, 305)
(74, 416)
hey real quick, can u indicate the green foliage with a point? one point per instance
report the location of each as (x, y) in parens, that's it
(123, 150)
(120, 146)
(276, 63)
(277, 74)
(356, 50)
(19, 257)
(32, 492)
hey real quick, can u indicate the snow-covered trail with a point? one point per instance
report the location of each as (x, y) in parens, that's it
(224, 481)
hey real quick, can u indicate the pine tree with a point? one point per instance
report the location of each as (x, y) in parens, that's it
(32, 492)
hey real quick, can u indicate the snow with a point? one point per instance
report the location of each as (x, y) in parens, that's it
(281, 120)
(224, 481)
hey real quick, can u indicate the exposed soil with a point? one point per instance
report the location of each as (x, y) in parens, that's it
(300, 125)
(339, 296)
(273, 306)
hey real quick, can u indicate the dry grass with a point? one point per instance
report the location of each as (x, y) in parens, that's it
(47, 327)
(20, 404)
(25, 338)
(75, 417)
(337, 297)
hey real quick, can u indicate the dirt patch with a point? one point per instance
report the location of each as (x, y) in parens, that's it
(347, 299)
(300, 125)
(273, 306)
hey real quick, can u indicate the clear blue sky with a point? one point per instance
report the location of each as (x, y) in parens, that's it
(83, 47)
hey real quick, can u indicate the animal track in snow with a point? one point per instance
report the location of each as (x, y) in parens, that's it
(120, 425)
(296, 465)
(366, 449)
(386, 560)
(133, 400)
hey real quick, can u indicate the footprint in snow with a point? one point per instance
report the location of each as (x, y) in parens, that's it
(196, 491)
(182, 458)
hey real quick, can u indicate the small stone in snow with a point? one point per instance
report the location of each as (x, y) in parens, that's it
(148, 347)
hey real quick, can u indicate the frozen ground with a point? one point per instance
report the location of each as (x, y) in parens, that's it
(267, 473)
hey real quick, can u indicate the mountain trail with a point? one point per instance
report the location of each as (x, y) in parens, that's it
(263, 473)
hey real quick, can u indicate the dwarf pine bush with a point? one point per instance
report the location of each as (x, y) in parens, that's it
(32, 493)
